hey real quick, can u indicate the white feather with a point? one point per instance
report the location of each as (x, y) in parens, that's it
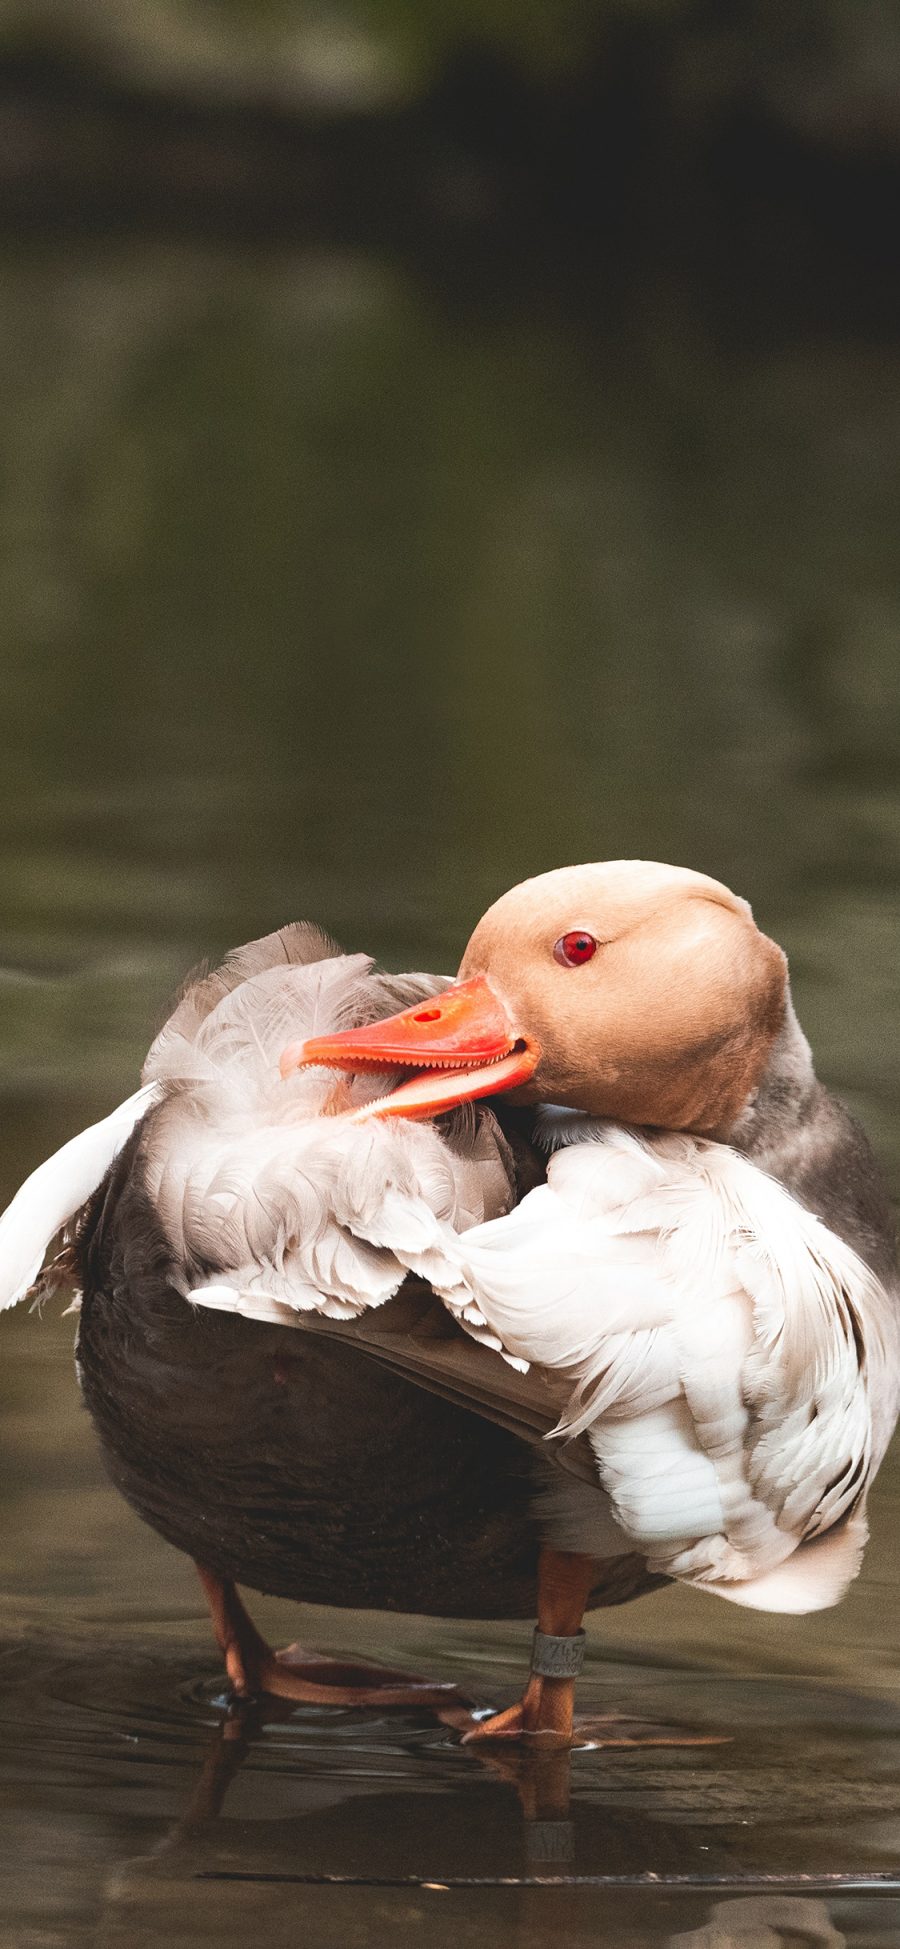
(705, 1330)
(50, 1198)
(268, 1200)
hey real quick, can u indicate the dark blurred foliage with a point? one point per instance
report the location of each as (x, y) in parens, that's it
(397, 112)
(831, 67)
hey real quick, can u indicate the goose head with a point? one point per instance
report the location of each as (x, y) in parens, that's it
(625, 989)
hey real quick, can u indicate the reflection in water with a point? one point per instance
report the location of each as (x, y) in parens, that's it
(764, 1922)
(163, 1807)
(325, 593)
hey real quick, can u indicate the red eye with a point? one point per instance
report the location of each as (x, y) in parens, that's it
(573, 949)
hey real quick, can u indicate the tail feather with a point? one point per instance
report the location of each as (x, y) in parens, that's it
(50, 1198)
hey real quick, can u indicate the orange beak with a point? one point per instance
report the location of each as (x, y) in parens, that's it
(461, 1043)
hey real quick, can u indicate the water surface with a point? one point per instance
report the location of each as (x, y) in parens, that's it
(330, 592)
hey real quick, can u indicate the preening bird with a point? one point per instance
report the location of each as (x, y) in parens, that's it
(595, 1283)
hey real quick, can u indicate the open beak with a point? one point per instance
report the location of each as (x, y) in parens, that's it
(461, 1044)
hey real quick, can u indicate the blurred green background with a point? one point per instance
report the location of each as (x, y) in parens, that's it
(436, 444)
(827, 65)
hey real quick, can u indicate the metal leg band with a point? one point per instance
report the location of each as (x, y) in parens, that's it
(550, 1840)
(557, 1657)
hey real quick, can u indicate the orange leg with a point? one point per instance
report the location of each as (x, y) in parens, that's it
(545, 1711)
(253, 1667)
(546, 1708)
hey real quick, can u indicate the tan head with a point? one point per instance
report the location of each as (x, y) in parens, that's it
(668, 1020)
(626, 989)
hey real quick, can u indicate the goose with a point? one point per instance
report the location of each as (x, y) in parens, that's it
(549, 1285)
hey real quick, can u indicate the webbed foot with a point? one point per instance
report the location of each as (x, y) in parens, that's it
(303, 1676)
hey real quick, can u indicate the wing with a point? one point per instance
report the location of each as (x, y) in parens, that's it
(213, 1072)
(415, 1336)
(48, 1201)
(326, 1217)
(719, 1346)
(273, 1205)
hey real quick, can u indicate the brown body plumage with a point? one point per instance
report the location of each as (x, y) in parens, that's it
(303, 1470)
